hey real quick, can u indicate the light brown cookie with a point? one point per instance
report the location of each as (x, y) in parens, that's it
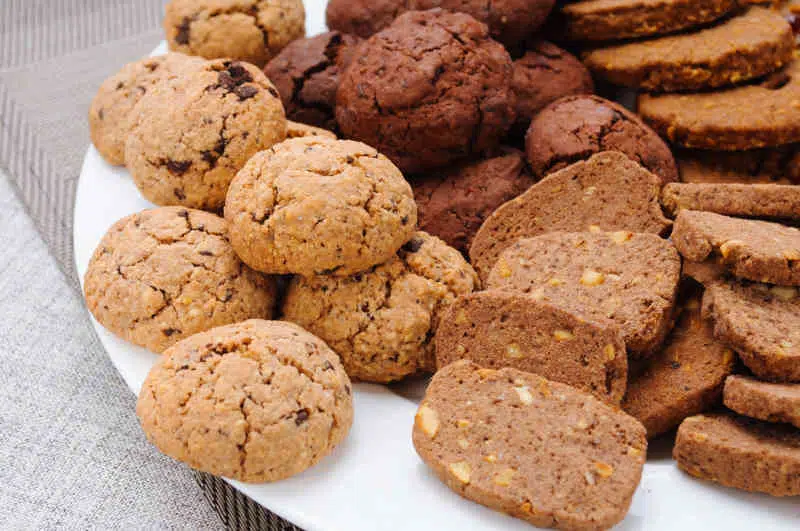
(190, 137)
(319, 206)
(763, 400)
(497, 329)
(112, 106)
(684, 379)
(761, 323)
(247, 30)
(779, 165)
(255, 401)
(298, 130)
(382, 322)
(744, 200)
(537, 450)
(585, 196)
(756, 250)
(739, 48)
(741, 453)
(162, 275)
(631, 279)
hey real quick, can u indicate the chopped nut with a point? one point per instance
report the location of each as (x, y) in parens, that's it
(463, 444)
(604, 470)
(792, 254)
(555, 282)
(582, 424)
(784, 293)
(544, 388)
(503, 269)
(786, 344)
(513, 351)
(428, 420)
(727, 356)
(491, 458)
(592, 278)
(700, 437)
(589, 478)
(610, 352)
(634, 452)
(563, 335)
(537, 294)
(595, 229)
(504, 477)
(525, 395)
(485, 373)
(725, 248)
(461, 317)
(590, 190)
(621, 236)
(462, 423)
(461, 470)
(461, 349)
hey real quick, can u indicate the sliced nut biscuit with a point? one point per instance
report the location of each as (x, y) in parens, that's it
(779, 165)
(743, 47)
(453, 203)
(298, 130)
(382, 321)
(756, 250)
(768, 401)
(498, 329)
(319, 206)
(745, 200)
(606, 20)
(191, 136)
(704, 272)
(684, 379)
(112, 107)
(537, 450)
(758, 115)
(761, 323)
(575, 127)
(161, 275)
(586, 196)
(255, 401)
(741, 453)
(631, 279)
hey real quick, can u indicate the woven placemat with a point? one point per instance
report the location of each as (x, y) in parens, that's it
(53, 56)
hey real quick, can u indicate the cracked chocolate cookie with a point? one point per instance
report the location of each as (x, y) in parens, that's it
(768, 401)
(537, 450)
(428, 90)
(162, 275)
(764, 114)
(585, 196)
(780, 165)
(737, 49)
(608, 20)
(575, 127)
(510, 21)
(544, 74)
(382, 321)
(307, 72)
(112, 106)
(316, 206)
(631, 279)
(454, 203)
(190, 137)
(255, 401)
(247, 30)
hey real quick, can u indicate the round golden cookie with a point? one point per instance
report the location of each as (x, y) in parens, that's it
(255, 401)
(249, 30)
(113, 104)
(191, 136)
(319, 206)
(161, 275)
(382, 322)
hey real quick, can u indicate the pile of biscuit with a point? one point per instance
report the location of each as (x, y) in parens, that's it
(485, 217)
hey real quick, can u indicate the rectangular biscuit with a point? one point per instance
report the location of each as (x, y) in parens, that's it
(746, 200)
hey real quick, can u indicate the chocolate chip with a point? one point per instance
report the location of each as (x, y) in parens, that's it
(365, 307)
(273, 92)
(301, 416)
(794, 22)
(245, 92)
(183, 214)
(100, 114)
(239, 73)
(404, 220)
(179, 194)
(675, 365)
(178, 167)
(347, 388)
(414, 245)
(170, 331)
(327, 366)
(206, 253)
(228, 295)
(184, 28)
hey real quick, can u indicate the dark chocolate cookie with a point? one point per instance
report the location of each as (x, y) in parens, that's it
(306, 73)
(428, 90)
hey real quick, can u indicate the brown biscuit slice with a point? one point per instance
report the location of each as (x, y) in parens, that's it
(499, 329)
(779, 165)
(752, 116)
(537, 450)
(704, 272)
(605, 20)
(744, 47)
(747, 200)
(682, 380)
(761, 323)
(585, 196)
(768, 401)
(741, 453)
(752, 249)
(631, 279)
(453, 203)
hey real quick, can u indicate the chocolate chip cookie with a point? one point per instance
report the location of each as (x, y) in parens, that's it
(307, 72)
(575, 127)
(190, 137)
(255, 401)
(314, 205)
(430, 89)
(739, 48)
(537, 450)
(247, 30)
(453, 203)
(112, 106)
(161, 275)
(382, 322)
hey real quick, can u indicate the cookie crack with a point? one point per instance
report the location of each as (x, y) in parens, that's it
(298, 83)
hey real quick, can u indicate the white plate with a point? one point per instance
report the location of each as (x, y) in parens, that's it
(375, 479)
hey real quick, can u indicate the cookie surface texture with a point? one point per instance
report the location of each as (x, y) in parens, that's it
(768, 401)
